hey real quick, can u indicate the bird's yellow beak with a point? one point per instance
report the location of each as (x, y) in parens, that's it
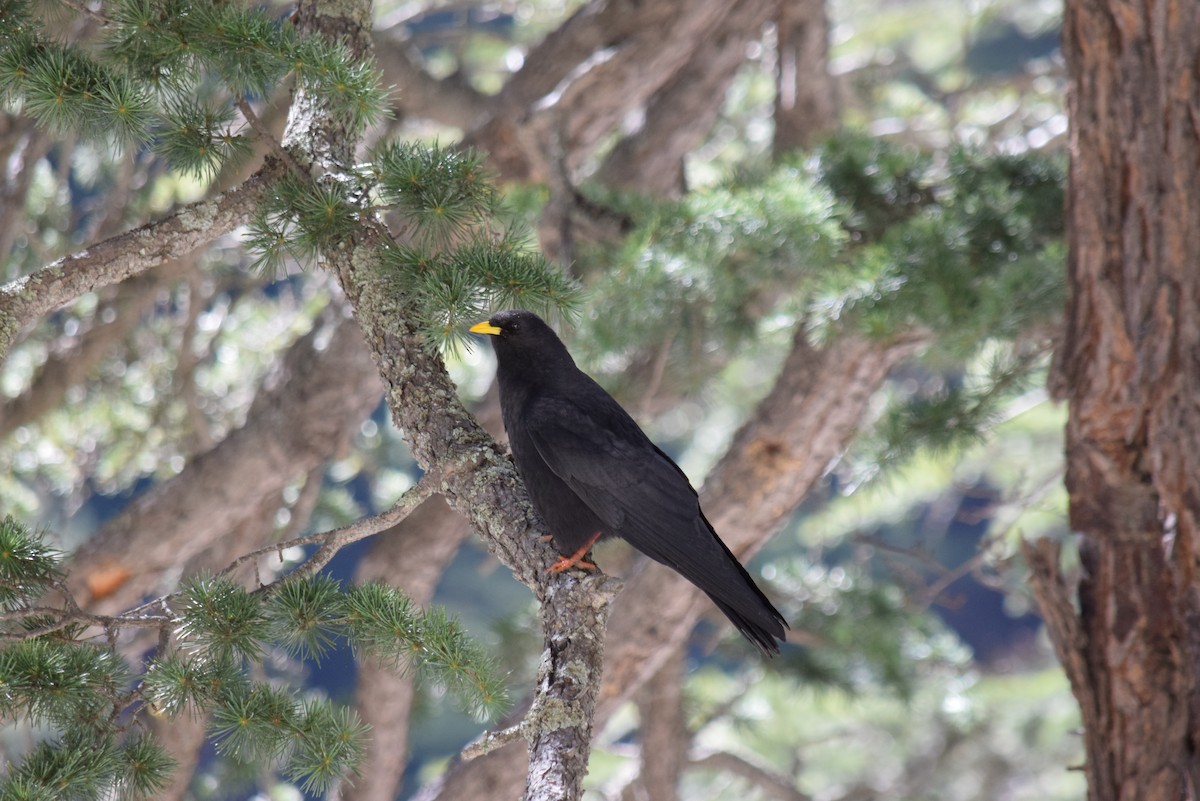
(485, 328)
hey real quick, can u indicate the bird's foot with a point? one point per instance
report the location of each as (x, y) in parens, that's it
(576, 559)
(568, 562)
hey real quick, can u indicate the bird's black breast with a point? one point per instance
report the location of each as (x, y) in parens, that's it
(570, 521)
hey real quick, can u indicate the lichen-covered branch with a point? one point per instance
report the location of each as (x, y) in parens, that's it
(483, 484)
(488, 492)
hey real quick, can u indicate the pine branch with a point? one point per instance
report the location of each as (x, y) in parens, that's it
(52, 674)
(113, 260)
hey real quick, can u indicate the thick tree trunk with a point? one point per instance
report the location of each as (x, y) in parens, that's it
(1130, 368)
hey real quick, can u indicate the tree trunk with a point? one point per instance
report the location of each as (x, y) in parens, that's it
(663, 732)
(805, 104)
(1130, 369)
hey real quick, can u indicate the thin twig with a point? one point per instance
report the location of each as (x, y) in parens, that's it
(73, 615)
(334, 540)
(491, 740)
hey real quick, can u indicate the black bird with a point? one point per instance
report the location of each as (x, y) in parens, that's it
(591, 472)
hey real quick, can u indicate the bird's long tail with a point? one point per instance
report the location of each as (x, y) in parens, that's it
(736, 594)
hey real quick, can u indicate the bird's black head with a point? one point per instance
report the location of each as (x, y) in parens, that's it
(523, 342)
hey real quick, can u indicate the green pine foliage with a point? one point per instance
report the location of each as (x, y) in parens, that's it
(28, 566)
(218, 616)
(973, 255)
(449, 262)
(174, 75)
(383, 622)
(440, 192)
(305, 616)
(169, 72)
(58, 674)
(863, 236)
(81, 767)
(314, 740)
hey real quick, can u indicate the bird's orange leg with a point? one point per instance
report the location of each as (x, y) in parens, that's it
(576, 559)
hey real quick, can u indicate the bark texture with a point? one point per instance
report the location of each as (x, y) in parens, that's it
(1130, 369)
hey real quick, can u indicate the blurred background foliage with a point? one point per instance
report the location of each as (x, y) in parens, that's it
(919, 669)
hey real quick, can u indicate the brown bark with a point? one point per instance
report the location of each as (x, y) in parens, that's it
(579, 84)
(596, 102)
(680, 115)
(1129, 369)
(513, 149)
(805, 103)
(182, 737)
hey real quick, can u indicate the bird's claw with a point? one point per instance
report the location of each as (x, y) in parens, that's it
(568, 562)
(576, 559)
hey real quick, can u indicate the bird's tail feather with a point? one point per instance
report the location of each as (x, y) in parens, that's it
(744, 603)
(762, 627)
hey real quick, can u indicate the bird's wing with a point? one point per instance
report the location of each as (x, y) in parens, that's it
(644, 498)
(631, 485)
